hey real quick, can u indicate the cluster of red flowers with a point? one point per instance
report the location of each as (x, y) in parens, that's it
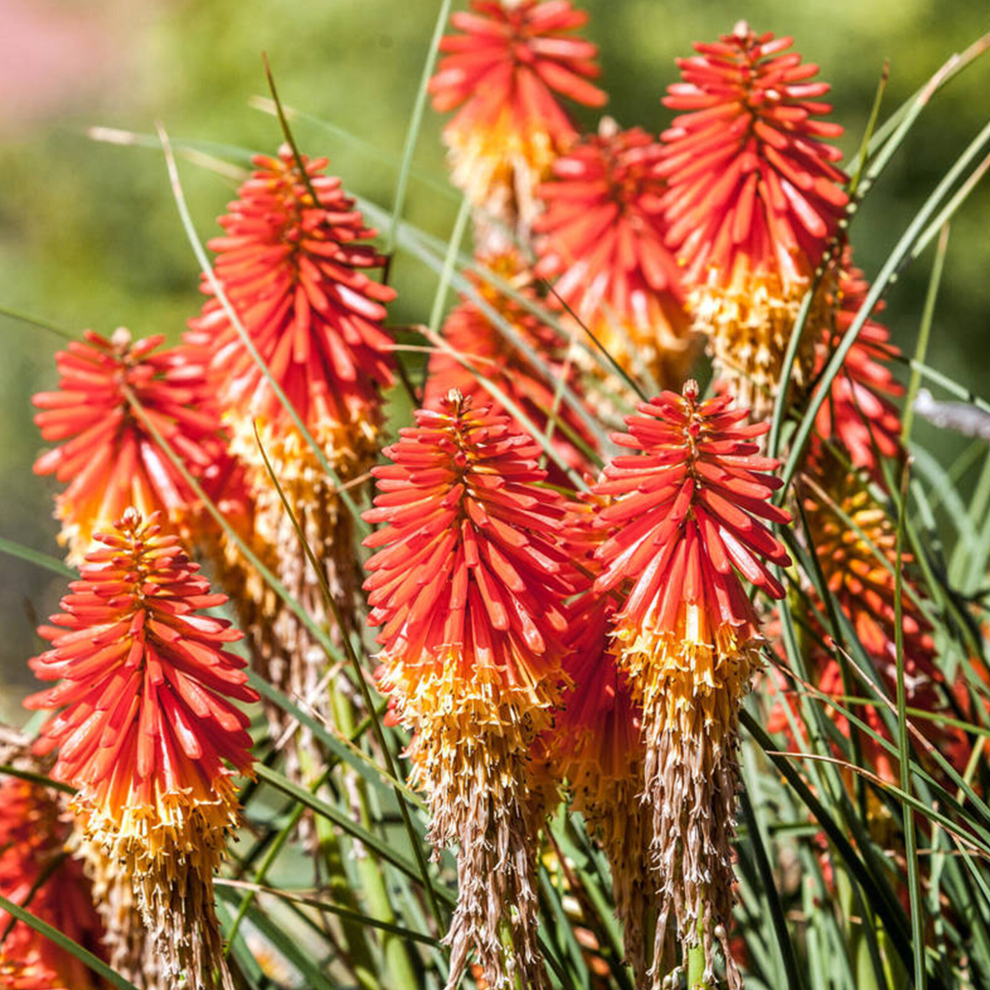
(531, 639)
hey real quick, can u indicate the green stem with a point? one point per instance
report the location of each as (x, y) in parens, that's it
(696, 962)
(399, 968)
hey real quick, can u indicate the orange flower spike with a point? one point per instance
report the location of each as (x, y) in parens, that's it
(689, 516)
(148, 732)
(505, 72)
(105, 451)
(754, 197)
(603, 235)
(468, 584)
(295, 272)
(469, 331)
(37, 874)
(860, 413)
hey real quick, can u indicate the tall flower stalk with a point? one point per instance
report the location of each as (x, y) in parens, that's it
(687, 522)
(602, 236)
(504, 74)
(467, 583)
(149, 733)
(754, 200)
(295, 269)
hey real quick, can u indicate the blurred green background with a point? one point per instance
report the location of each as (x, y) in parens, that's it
(90, 237)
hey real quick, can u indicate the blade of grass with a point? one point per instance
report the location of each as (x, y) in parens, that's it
(36, 778)
(66, 944)
(231, 313)
(415, 122)
(779, 922)
(344, 822)
(325, 906)
(443, 283)
(359, 144)
(38, 557)
(36, 321)
(864, 148)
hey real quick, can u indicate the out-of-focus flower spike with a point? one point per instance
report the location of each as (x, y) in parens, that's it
(596, 745)
(468, 584)
(755, 198)
(859, 413)
(602, 237)
(504, 74)
(297, 274)
(105, 452)
(687, 524)
(148, 731)
(468, 331)
(37, 873)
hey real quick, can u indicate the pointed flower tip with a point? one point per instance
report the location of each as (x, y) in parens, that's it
(105, 452)
(750, 119)
(690, 517)
(297, 274)
(505, 74)
(602, 235)
(148, 724)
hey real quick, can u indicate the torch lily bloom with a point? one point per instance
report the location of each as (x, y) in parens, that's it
(467, 583)
(106, 452)
(469, 332)
(687, 525)
(754, 200)
(859, 412)
(505, 73)
(602, 236)
(37, 873)
(148, 731)
(294, 264)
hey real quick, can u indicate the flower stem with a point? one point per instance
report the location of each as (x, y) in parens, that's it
(696, 962)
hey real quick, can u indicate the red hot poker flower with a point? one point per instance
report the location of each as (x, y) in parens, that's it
(755, 196)
(688, 517)
(106, 453)
(505, 73)
(294, 271)
(149, 729)
(36, 873)
(294, 264)
(468, 584)
(603, 235)
(859, 412)
(470, 332)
